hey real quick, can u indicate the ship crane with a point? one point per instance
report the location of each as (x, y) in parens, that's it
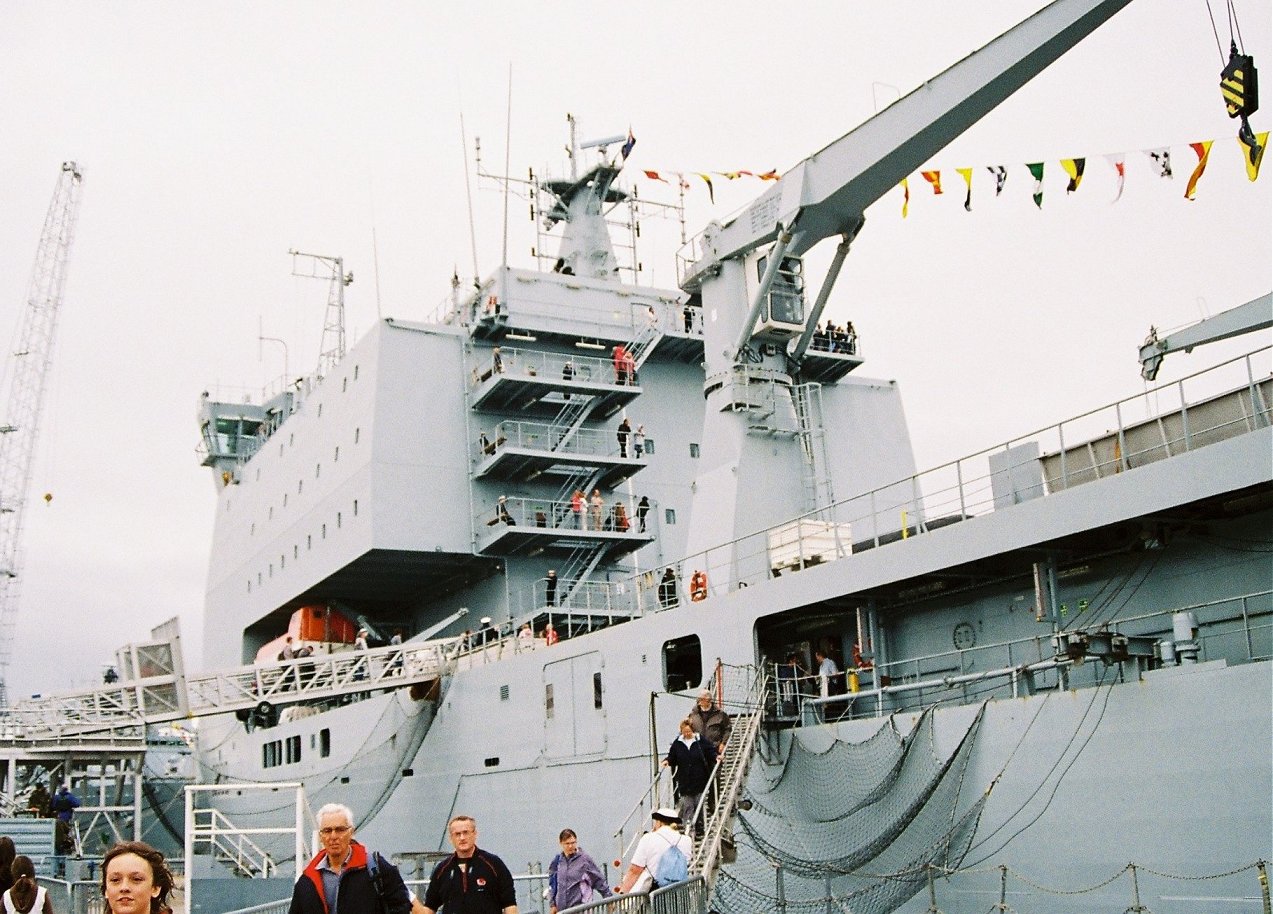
(750, 275)
(1256, 314)
(30, 368)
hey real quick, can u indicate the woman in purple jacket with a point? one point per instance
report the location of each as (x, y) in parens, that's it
(573, 877)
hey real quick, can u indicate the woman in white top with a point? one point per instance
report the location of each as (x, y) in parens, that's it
(26, 897)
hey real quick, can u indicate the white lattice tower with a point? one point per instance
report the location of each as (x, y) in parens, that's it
(29, 365)
(332, 348)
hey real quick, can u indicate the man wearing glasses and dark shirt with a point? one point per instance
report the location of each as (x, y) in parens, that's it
(470, 881)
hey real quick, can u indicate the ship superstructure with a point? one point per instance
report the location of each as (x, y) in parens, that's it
(1040, 636)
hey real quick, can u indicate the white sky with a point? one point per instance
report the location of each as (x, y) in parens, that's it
(214, 137)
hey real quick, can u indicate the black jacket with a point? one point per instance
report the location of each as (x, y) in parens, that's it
(692, 765)
(357, 891)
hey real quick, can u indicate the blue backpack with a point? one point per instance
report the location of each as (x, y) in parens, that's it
(672, 867)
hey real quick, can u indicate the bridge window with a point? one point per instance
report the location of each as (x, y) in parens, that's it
(694, 450)
(649, 445)
(597, 691)
(548, 700)
(324, 742)
(293, 749)
(669, 515)
(682, 663)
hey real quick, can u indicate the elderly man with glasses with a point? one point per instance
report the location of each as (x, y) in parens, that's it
(345, 877)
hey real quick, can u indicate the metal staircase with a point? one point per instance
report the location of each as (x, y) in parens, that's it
(582, 563)
(743, 692)
(641, 347)
(711, 820)
(231, 846)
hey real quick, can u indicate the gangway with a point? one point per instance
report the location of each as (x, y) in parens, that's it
(132, 704)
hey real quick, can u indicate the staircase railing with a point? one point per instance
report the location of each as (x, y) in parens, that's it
(635, 824)
(716, 806)
(231, 846)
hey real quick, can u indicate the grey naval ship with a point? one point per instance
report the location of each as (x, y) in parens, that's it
(568, 502)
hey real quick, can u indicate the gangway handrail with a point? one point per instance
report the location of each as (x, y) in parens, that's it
(651, 794)
(725, 783)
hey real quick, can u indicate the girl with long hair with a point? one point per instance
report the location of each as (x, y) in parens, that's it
(25, 897)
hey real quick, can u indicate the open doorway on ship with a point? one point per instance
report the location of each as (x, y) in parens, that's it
(818, 658)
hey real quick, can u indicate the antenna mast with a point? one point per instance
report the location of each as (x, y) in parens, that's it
(20, 427)
(332, 269)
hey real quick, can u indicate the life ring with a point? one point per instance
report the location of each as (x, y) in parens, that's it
(698, 586)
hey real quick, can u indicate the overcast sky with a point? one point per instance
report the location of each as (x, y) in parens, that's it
(214, 137)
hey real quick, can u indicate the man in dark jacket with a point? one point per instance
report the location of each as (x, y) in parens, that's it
(712, 724)
(471, 880)
(339, 880)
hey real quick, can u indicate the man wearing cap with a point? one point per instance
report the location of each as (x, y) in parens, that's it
(712, 724)
(653, 845)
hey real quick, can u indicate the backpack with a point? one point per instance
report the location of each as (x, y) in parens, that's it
(672, 867)
(377, 881)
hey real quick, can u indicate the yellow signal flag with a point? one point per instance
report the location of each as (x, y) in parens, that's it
(1252, 156)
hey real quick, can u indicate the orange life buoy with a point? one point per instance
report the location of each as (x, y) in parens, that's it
(698, 586)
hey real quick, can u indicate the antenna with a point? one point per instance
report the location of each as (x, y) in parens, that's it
(375, 248)
(333, 345)
(508, 139)
(468, 190)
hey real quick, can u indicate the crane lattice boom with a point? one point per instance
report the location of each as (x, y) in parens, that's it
(19, 427)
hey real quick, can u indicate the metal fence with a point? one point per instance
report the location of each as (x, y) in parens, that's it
(688, 897)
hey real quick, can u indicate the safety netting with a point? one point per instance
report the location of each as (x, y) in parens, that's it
(855, 828)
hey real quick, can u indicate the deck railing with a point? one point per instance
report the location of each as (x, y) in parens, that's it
(1237, 628)
(1157, 425)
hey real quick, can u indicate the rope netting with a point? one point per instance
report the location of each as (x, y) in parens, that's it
(853, 828)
